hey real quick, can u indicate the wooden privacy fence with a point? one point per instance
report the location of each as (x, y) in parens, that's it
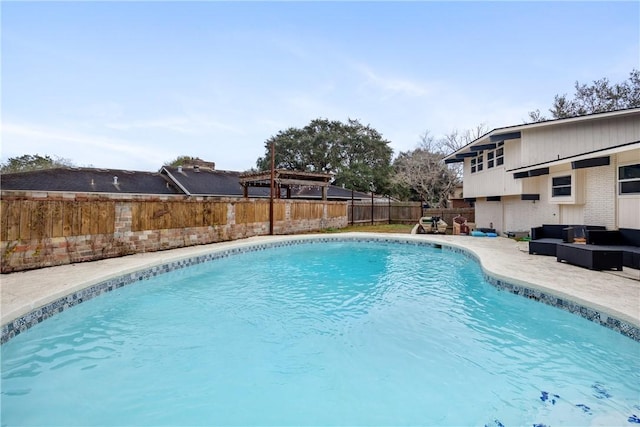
(30, 219)
(59, 230)
(381, 211)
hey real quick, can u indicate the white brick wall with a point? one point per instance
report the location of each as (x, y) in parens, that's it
(600, 196)
(521, 215)
(488, 213)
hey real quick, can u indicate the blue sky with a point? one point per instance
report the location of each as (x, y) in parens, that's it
(132, 85)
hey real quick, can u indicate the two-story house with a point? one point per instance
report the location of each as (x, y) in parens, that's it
(579, 170)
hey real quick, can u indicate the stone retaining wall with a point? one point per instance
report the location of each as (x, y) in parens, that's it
(46, 237)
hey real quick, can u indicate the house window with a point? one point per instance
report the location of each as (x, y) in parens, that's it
(473, 165)
(479, 162)
(629, 179)
(500, 154)
(561, 186)
(495, 157)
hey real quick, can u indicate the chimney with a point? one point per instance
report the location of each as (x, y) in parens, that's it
(180, 169)
(115, 180)
(196, 168)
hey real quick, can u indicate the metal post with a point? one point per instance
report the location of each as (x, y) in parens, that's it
(272, 192)
(372, 203)
(352, 218)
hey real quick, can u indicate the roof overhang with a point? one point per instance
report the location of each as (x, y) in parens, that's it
(514, 132)
(591, 159)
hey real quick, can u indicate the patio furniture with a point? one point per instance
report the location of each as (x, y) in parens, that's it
(432, 224)
(460, 225)
(592, 257)
(626, 240)
(545, 238)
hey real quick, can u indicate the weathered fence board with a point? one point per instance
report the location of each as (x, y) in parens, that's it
(27, 206)
(336, 210)
(57, 209)
(11, 220)
(306, 211)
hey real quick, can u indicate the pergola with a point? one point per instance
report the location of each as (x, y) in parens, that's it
(285, 179)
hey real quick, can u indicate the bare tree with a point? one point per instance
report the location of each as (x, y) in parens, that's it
(422, 174)
(426, 175)
(455, 140)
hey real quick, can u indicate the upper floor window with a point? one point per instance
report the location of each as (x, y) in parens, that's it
(496, 157)
(500, 154)
(479, 163)
(629, 179)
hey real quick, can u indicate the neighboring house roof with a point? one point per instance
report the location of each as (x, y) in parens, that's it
(207, 182)
(514, 132)
(170, 180)
(333, 193)
(88, 180)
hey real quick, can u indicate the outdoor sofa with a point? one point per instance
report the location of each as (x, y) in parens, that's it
(593, 257)
(545, 238)
(626, 240)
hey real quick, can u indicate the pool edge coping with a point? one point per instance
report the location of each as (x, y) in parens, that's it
(29, 315)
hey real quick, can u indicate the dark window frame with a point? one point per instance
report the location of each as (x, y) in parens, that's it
(562, 186)
(629, 183)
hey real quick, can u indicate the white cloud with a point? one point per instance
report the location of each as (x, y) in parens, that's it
(187, 124)
(81, 148)
(392, 86)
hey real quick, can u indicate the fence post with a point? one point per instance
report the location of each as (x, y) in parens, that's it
(372, 203)
(352, 218)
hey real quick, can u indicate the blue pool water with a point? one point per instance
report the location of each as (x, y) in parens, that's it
(341, 333)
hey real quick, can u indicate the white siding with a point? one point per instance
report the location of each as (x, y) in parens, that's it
(494, 181)
(628, 157)
(573, 214)
(556, 142)
(629, 216)
(486, 183)
(628, 205)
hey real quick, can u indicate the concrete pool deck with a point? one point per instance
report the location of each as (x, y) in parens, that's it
(616, 294)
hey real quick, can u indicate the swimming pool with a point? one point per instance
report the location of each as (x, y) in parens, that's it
(343, 332)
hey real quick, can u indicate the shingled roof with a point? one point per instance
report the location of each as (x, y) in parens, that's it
(89, 180)
(202, 181)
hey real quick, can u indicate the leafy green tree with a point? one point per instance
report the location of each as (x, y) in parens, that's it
(184, 160)
(601, 96)
(422, 175)
(31, 162)
(357, 155)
